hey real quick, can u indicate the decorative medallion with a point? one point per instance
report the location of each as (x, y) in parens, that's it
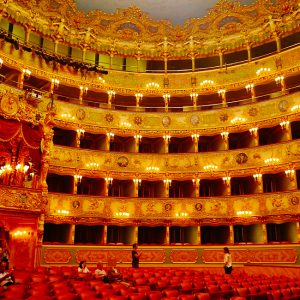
(122, 161)
(294, 200)
(195, 120)
(276, 203)
(253, 111)
(109, 118)
(223, 117)
(241, 158)
(198, 206)
(80, 114)
(168, 207)
(283, 105)
(166, 121)
(76, 204)
(138, 120)
(9, 103)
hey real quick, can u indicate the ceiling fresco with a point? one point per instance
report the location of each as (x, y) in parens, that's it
(176, 11)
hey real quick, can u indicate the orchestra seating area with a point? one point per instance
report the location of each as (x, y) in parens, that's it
(64, 283)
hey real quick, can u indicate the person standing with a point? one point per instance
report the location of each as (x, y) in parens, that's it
(227, 261)
(135, 256)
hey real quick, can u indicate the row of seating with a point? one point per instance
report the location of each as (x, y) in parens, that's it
(151, 284)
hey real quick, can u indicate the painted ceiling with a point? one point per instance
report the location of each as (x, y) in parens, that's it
(176, 11)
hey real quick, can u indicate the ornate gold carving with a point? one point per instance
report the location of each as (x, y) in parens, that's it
(94, 210)
(9, 104)
(20, 198)
(227, 26)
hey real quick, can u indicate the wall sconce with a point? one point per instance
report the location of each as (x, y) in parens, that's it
(63, 212)
(167, 182)
(111, 93)
(226, 180)
(22, 235)
(253, 131)
(1, 62)
(263, 71)
(225, 135)
(210, 167)
(84, 89)
(167, 138)
(55, 83)
(137, 181)
(271, 161)
(152, 85)
(249, 87)
(221, 93)
(196, 181)
(109, 180)
(26, 73)
(80, 132)
(206, 83)
(167, 97)
(5, 169)
(125, 124)
(110, 135)
(257, 177)
(181, 214)
(138, 138)
(122, 214)
(68, 117)
(244, 213)
(22, 168)
(101, 80)
(279, 79)
(238, 120)
(139, 96)
(195, 137)
(77, 178)
(284, 124)
(290, 174)
(295, 107)
(92, 165)
(152, 169)
(193, 95)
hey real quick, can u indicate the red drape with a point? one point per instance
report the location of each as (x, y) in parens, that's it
(9, 129)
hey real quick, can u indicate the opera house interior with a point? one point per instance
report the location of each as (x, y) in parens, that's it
(178, 132)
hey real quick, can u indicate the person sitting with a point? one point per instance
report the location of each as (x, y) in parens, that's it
(6, 277)
(100, 273)
(114, 273)
(82, 268)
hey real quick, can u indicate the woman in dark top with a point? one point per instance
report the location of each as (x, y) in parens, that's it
(135, 256)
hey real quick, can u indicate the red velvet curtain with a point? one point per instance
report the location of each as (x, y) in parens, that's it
(9, 129)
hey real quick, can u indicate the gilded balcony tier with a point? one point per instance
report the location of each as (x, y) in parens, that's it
(285, 63)
(204, 211)
(262, 114)
(130, 32)
(68, 161)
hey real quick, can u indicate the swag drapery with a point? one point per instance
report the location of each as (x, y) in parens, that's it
(31, 135)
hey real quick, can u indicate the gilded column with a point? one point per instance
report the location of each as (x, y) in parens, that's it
(136, 233)
(167, 242)
(105, 234)
(167, 98)
(110, 94)
(231, 234)
(254, 134)
(196, 183)
(71, 239)
(195, 138)
(199, 234)
(264, 233)
(249, 54)
(221, 57)
(222, 94)
(227, 183)
(46, 149)
(194, 98)
(40, 234)
(138, 98)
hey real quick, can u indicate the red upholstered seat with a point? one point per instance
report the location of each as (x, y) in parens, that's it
(186, 297)
(203, 296)
(155, 295)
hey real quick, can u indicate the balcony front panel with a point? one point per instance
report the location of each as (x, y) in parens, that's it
(242, 162)
(215, 210)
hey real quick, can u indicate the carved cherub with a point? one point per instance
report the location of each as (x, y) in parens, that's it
(87, 35)
(165, 44)
(61, 27)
